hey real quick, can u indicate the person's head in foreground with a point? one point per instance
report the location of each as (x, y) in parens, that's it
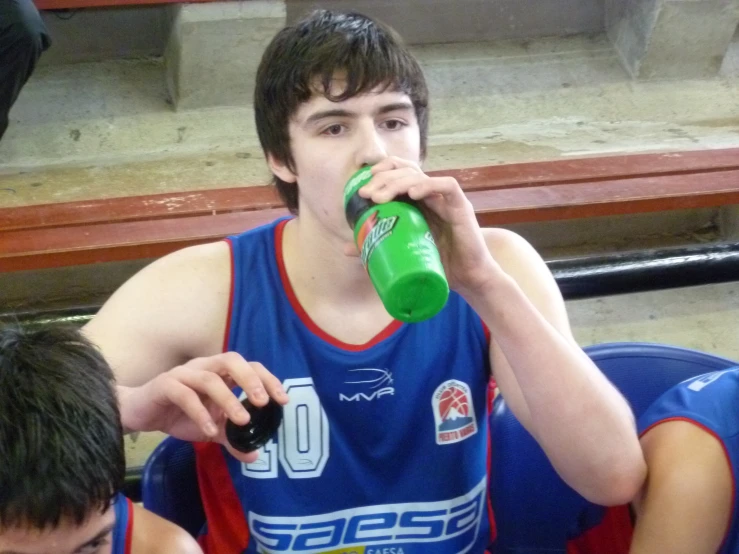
(62, 462)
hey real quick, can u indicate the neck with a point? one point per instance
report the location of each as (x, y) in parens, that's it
(318, 267)
(331, 287)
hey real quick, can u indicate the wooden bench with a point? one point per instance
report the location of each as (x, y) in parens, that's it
(140, 227)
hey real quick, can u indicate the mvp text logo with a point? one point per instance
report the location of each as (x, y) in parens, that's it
(368, 384)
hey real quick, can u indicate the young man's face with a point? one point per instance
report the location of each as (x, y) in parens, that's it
(94, 536)
(332, 140)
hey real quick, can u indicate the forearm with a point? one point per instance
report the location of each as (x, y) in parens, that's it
(580, 420)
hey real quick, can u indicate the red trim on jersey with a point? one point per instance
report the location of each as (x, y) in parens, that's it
(491, 513)
(129, 527)
(611, 536)
(726, 454)
(305, 318)
(486, 330)
(492, 390)
(228, 530)
(227, 331)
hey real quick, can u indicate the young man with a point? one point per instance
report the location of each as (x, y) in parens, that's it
(61, 446)
(690, 437)
(288, 311)
(23, 37)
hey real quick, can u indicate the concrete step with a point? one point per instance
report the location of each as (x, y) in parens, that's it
(491, 102)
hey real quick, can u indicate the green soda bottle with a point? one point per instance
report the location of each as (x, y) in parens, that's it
(398, 251)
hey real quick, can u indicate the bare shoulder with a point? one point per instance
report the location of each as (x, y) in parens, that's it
(687, 457)
(686, 502)
(511, 250)
(172, 310)
(520, 260)
(155, 535)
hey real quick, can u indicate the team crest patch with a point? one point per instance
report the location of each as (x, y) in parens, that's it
(453, 412)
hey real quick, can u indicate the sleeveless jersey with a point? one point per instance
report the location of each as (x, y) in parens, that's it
(708, 401)
(383, 448)
(123, 530)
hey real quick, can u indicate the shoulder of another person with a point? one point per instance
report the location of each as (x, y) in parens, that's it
(155, 535)
(693, 458)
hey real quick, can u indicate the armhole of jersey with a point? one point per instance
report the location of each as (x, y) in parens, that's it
(612, 535)
(485, 331)
(492, 387)
(227, 527)
(728, 461)
(129, 526)
(492, 384)
(489, 465)
(229, 313)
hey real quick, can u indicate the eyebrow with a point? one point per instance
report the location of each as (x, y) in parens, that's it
(325, 114)
(107, 529)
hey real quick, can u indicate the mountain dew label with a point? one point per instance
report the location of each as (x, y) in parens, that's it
(373, 231)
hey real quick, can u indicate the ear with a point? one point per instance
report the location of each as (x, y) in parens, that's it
(280, 170)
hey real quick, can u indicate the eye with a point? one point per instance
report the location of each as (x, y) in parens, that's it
(333, 130)
(95, 546)
(394, 124)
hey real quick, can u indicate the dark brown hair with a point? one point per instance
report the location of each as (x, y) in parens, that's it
(370, 55)
(61, 440)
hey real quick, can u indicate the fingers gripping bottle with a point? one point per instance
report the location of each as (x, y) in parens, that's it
(398, 251)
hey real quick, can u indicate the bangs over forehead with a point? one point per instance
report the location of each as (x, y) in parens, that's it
(353, 51)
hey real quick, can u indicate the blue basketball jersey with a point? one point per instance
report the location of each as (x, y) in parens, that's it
(123, 530)
(709, 401)
(383, 448)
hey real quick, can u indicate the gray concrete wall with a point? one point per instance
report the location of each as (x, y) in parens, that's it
(105, 33)
(215, 48)
(140, 31)
(433, 21)
(672, 39)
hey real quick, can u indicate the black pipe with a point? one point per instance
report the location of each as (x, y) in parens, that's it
(132, 483)
(646, 270)
(578, 278)
(583, 277)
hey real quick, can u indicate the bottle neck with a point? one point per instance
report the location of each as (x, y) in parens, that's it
(357, 206)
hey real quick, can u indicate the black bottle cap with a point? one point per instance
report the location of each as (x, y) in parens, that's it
(262, 426)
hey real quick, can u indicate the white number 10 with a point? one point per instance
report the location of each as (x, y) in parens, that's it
(303, 447)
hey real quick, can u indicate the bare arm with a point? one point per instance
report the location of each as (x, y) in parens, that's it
(155, 535)
(581, 421)
(686, 504)
(163, 332)
(173, 310)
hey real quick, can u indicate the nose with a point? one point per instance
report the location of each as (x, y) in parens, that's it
(371, 147)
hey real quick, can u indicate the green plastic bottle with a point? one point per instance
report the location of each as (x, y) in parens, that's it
(398, 251)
